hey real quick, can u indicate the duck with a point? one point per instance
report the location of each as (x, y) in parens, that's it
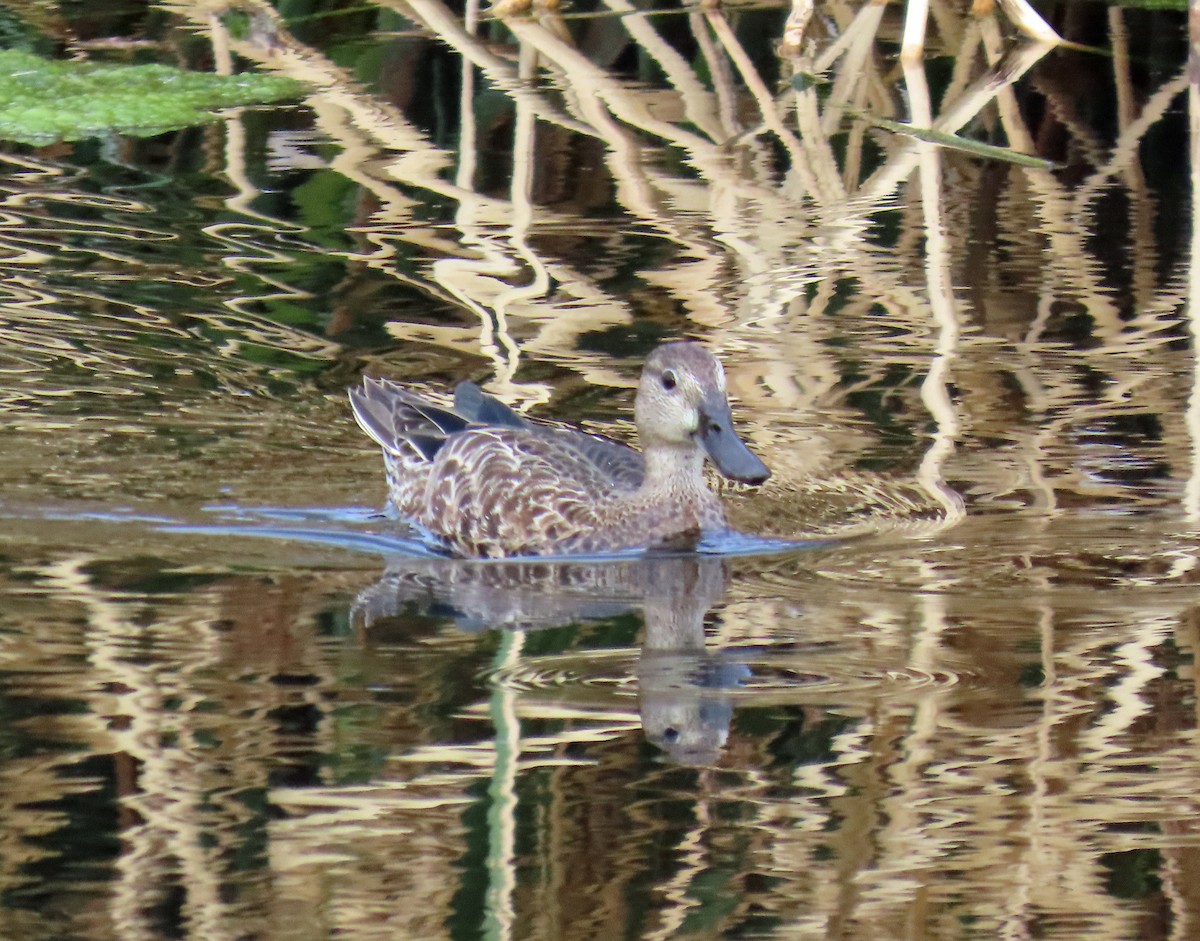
(487, 482)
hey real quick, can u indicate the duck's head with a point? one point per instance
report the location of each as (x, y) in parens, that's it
(681, 402)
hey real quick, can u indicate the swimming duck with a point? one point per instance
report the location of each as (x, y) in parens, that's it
(490, 483)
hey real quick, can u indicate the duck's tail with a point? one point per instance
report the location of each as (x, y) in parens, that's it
(406, 426)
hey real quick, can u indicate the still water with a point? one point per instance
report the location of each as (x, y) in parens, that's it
(943, 687)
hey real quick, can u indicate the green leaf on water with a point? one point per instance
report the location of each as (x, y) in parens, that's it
(1180, 5)
(42, 101)
(987, 151)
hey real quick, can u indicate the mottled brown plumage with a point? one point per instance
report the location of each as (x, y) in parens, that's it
(491, 483)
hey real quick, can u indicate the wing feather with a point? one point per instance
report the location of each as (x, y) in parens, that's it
(620, 464)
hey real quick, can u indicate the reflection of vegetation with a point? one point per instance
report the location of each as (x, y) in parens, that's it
(171, 300)
(43, 101)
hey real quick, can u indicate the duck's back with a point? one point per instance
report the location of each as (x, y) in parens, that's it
(620, 464)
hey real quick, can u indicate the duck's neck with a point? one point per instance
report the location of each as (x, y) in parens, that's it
(673, 468)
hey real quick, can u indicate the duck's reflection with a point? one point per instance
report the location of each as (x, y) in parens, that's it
(683, 686)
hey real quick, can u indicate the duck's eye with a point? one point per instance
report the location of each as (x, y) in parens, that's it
(668, 380)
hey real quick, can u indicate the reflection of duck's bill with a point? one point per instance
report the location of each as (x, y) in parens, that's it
(727, 451)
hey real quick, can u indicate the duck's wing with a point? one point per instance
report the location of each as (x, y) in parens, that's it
(512, 491)
(477, 406)
(620, 464)
(403, 424)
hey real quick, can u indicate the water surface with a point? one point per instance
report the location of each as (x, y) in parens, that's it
(235, 701)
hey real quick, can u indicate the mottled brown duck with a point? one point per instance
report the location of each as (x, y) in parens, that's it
(489, 483)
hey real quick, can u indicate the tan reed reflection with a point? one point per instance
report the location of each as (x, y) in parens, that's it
(940, 753)
(774, 262)
(74, 327)
(186, 773)
(967, 735)
(986, 783)
(770, 229)
(1192, 494)
(191, 703)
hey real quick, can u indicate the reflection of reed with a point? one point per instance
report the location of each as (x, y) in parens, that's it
(908, 790)
(763, 212)
(1192, 493)
(985, 742)
(167, 792)
(929, 750)
(69, 256)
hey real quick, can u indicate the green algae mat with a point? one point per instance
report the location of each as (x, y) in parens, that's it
(43, 101)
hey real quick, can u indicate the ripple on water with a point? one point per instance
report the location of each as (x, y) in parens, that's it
(996, 555)
(749, 675)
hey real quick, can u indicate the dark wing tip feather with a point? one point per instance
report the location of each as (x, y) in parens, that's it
(428, 445)
(480, 408)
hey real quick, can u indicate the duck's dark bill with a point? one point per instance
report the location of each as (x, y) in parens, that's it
(725, 448)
